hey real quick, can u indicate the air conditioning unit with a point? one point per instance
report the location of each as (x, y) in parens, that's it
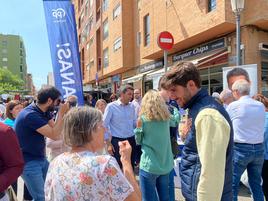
(263, 46)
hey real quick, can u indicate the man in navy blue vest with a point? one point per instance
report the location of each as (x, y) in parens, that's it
(206, 165)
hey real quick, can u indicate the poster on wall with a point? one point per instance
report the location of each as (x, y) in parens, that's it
(253, 76)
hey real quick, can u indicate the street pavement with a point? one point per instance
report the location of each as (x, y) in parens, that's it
(244, 194)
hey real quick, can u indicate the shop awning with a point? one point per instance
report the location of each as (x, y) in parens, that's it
(154, 74)
(198, 62)
(220, 56)
(135, 78)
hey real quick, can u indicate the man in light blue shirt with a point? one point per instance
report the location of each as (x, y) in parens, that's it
(137, 101)
(248, 117)
(120, 120)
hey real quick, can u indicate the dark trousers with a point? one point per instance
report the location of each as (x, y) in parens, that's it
(26, 193)
(265, 179)
(138, 154)
(132, 143)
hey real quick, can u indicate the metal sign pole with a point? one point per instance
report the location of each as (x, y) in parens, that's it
(165, 60)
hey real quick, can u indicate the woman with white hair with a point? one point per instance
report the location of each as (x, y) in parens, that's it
(226, 97)
(81, 174)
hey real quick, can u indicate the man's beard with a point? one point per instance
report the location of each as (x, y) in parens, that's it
(51, 108)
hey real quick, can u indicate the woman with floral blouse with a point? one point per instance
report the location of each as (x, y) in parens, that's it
(81, 174)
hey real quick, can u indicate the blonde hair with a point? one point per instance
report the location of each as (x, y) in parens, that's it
(100, 101)
(153, 107)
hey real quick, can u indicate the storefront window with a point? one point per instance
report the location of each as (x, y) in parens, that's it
(212, 79)
(148, 85)
(264, 78)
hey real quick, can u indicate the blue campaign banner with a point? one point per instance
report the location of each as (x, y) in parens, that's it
(62, 35)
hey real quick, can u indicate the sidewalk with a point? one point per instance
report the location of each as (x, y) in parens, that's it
(243, 194)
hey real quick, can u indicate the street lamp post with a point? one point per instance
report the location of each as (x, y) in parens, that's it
(237, 7)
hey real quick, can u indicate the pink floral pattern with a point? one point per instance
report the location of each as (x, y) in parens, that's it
(85, 176)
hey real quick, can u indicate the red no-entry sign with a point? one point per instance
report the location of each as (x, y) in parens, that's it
(165, 40)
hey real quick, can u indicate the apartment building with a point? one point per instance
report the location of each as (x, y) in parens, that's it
(13, 55)
(106, 46)
(121, 44)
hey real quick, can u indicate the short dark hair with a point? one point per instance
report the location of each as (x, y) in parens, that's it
(181, 74)
(10, 106)
(47, 92)
(123, 89)
(237, 72)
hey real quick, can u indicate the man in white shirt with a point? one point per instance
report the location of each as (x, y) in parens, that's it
(248, 117)
(137, 101)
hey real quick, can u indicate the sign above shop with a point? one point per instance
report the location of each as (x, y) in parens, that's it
(214, 45)
(150, 66)
(165, 40)
(116, 78)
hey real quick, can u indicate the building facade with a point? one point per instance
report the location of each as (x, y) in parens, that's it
(13, 55)
(105, 35)
(30, 85)
(50, 79)
(118, 40)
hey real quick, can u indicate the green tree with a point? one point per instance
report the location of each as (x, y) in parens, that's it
(9, 81)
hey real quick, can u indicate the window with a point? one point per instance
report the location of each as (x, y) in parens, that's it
(5, 67)
(117, 11)
(212, 79)
(105, 29)
(90, 3)
(4, 43)
(4, 51)
(264, 78)
(4, 59)
(87, 67)
(117, 43)
(89, 44)
(82, 16)
(21, 60)
(21, 70)
(105, 58)
(84, 34)
(21, 45)
(105, 5)
(146, 30)
(138, 39)
(90, 23)
(211, 5)
(91, 64)
(86, 9)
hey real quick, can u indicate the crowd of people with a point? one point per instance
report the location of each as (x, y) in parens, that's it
(66, 152)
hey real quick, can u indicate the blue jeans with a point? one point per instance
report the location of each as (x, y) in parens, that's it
(171, 186)
(154, 187)
(34, 176)
(248, 157)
